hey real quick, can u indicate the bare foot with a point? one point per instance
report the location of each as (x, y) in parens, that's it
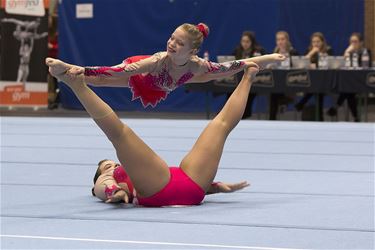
(252, 65)
(252, 70)
(58, 67)
(72, 80)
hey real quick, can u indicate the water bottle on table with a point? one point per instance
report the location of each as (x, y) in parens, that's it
(323, 61)
(286, 63)
(365, 59)
(355, 58)
(348, 63)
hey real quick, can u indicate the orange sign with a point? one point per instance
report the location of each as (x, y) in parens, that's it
(32, 94)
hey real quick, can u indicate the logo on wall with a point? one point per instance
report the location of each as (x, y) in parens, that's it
(370, 79)
(264, 79)
(300, 78)
(26, 33)
(25, 7)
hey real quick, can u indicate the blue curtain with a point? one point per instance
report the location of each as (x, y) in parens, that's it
(336, 19)
(122, 28)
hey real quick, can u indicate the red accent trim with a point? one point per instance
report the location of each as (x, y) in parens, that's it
(109, 191)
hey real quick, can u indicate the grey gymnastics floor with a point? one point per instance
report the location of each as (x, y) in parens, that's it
(312, 188)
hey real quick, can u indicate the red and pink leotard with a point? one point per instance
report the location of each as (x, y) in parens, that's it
(151, 89)
(180, 190)
(152, 78)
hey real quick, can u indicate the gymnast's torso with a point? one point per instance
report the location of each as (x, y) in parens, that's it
(161, 76)
(152, 78)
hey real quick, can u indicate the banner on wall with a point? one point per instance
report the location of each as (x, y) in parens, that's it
(23, 48)
(25, 7)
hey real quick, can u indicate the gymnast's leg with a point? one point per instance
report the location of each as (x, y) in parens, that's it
(113, 76)
(202, 161)
(148, 172)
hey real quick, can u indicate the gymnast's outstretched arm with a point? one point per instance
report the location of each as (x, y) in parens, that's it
(221, 187)
(108, 190)
(106, 76)
(213, 71)
(118, 76)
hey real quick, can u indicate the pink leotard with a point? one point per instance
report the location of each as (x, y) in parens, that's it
(180, 190)
(151, 89)
(152, 78)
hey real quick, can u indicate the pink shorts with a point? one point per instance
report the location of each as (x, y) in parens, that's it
(180, 190)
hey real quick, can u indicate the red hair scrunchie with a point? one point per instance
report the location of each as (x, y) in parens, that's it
(202, 29)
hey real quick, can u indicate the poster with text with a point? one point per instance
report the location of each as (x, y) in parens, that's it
(23, 49)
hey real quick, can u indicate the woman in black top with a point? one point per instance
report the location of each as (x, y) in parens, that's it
(283, 44)
(247, 48)
(284, 47)
(318, 46)
(355, 46)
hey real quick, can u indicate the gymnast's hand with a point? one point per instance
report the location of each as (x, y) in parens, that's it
(120, 195)
(221, 187)
(278, 57)
(231, 187)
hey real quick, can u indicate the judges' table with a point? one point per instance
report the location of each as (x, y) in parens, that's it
(296, 81)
